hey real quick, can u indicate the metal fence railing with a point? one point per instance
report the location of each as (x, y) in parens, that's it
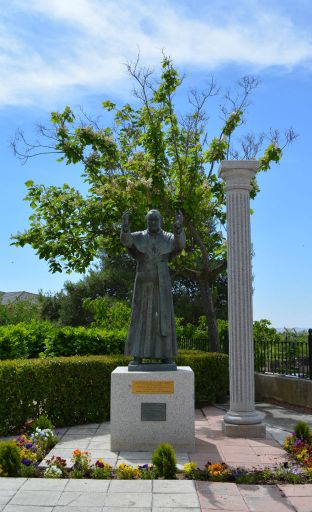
(291, 356)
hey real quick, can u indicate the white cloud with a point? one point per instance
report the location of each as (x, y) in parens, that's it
(56, 49)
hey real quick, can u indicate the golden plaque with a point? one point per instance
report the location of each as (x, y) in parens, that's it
(152, 387)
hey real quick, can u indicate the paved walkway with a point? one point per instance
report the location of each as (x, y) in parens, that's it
(35, 495)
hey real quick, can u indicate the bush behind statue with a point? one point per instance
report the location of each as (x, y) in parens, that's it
(76, 390)
(35, 339)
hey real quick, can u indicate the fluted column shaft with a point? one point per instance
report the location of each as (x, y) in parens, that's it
(237, 176)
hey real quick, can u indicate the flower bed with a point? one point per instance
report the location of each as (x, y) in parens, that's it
(22, 457)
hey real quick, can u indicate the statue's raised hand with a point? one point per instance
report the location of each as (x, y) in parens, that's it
(125, 220)
(178, 221)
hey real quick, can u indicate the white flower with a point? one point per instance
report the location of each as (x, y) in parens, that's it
(52, 472)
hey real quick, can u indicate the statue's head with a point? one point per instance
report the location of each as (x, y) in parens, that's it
(153, 221)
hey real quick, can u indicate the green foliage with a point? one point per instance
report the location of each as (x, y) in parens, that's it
(19, 311)
(42, 422)
(10, 458)
(69, 341)
(149, 156)
(272, 154)
(165, 461)
(76, 390)
(108, 314)
(42, 339)
(302, 430)
(24, 339)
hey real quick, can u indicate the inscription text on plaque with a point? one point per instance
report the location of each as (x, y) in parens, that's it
(152, 387)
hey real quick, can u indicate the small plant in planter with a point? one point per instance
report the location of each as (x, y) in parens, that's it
(81, 464)
(147, 472)
(217, 472)
(57, 468)
(165, 461)
(101, 470)
(125, 472)
(191, 470)
(10, 458)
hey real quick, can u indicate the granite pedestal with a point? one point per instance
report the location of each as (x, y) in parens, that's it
(149, 408)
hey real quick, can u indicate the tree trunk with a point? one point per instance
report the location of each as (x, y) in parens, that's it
(210, 313)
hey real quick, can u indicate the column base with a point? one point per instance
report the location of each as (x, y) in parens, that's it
(243, 417)
(249, 431)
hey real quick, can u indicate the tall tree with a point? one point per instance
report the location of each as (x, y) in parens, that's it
(149, 158)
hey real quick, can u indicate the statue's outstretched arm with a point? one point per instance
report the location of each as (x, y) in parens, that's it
(125, 233)
(179, 234)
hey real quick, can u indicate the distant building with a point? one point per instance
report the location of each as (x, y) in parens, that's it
(9, 297)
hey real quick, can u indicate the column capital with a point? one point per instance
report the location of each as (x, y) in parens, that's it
(237, 174)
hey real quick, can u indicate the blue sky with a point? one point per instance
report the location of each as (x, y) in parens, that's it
(56, 53)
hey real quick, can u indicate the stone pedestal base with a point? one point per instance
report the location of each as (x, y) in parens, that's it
(149, 408)
(249, 431)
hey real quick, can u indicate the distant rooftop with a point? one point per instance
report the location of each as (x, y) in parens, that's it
(8, 297)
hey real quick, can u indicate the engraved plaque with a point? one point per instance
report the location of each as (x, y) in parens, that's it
(153, 412)
(150, 387)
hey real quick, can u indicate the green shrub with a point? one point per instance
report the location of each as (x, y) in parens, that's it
(42, 422)
(76, 390)
(302, 430)
(70, 341)
(165, 461)
(24, 339)
(10, 458)
(211, 374)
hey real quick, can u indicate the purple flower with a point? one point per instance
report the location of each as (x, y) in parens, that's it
(144, 466)
(298, 442)
(27, 462)
(28, 445)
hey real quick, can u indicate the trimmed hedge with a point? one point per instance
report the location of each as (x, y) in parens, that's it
(76, 390)
(43, 339)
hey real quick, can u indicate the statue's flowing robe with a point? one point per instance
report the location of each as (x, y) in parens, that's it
(152, 326)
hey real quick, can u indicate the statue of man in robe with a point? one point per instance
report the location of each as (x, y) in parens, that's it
(152, 326)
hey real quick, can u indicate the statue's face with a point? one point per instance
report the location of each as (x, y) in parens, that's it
(153, 222)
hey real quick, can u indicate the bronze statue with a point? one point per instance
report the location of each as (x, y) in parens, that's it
(152, 325)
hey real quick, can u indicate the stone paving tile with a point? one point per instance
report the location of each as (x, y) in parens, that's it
(44, 484)
(135, 455)
(77, 509)
(5, 497)
(173, 486)
(123, 509)
(129, 500)
(73, 442)
(174, 500)
(297, 490)
(87, 485)
(27, 508)
(82, 499)
(80, 430)
(262, 443)
(175, 509)
(42, 498)
(301, 503)
(260, 490)
(226, 503)
(265, 503)
(126, 486)
(218, 488)
(11, 483)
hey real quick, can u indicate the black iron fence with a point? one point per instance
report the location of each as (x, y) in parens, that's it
(204, 343)
(291, 356)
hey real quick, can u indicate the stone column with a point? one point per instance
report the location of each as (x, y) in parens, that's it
(242, 420)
